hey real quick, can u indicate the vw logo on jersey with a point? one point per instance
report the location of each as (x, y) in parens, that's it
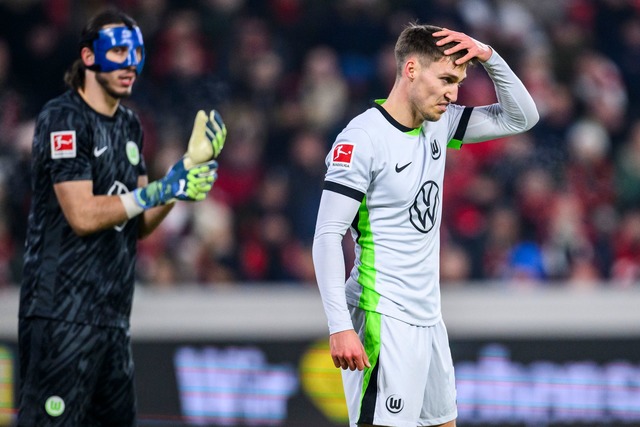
(425, 207)
(394, 404)
(118, 188)
(435, 150)
(133, 153)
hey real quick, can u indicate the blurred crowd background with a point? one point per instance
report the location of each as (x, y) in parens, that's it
(557, 206)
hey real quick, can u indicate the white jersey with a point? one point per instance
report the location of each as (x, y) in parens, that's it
(396, 231)
(384, 181)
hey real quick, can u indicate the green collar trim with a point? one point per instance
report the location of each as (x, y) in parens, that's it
(407, 130)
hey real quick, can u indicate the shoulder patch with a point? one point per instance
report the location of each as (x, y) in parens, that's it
(342, 155)
(63, 144)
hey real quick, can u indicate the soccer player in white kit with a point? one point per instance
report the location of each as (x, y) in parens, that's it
(384, 182)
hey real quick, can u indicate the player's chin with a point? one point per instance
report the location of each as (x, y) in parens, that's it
(433, 116)
(121, 92)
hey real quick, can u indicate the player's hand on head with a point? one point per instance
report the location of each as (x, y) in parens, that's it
(475, 49)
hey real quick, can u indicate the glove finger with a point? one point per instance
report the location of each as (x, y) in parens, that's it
(199, 197)
(198, 192)
(201, 118)
(209, 176)
(220, 131)
(216, 132)
(210, 132)
(204, 182)
(199, 124)
(205, 188)
(205, 169)
(200, 183)
(211, 164)
(201, 191)
(215, 117)
(195, 181)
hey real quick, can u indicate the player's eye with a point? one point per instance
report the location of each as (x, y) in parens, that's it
(119, 50)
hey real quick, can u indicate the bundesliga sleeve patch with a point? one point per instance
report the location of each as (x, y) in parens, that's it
(63, 144)
(342, 155)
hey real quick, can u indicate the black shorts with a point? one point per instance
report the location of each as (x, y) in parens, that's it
(75, 375)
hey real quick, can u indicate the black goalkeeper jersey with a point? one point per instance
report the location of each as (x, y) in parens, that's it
(86, 279)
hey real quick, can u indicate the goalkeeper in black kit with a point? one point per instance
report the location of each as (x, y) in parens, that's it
(91, 202)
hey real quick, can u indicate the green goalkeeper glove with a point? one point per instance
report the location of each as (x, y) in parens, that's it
(179, 183)
(207, 138)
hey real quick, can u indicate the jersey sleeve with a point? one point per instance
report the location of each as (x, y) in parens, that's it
(349, 172)
(335, 214)
(349, 163)
(63, 142)
(515, 111)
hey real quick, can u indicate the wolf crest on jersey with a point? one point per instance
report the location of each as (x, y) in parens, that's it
(424, 211)
(342, 155)
(63, 144)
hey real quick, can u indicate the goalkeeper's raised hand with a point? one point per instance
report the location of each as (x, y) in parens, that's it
(207, 138)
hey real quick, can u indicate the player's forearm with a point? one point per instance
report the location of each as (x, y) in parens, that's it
(329, 265)
(85, 212)
(517, 110)
(335, 214)
(102, 213)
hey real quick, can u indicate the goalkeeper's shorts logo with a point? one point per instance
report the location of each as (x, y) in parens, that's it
(54, 406)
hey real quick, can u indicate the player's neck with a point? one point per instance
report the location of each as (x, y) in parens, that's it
(98, 99)
(398, 107)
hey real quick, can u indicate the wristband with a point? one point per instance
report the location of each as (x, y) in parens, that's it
(131, 207)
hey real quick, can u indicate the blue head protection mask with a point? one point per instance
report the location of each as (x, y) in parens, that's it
(118, 36)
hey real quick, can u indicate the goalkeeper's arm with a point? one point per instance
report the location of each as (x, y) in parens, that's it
(88, 213)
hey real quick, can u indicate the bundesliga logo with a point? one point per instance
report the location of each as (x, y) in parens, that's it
(342, 155)
(63, 144)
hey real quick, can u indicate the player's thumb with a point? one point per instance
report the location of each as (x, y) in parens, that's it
(199, 124)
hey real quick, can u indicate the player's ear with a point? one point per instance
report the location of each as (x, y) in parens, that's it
(410, 68)
(87, 56)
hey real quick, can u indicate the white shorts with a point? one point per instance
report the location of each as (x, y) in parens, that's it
(411, 380)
